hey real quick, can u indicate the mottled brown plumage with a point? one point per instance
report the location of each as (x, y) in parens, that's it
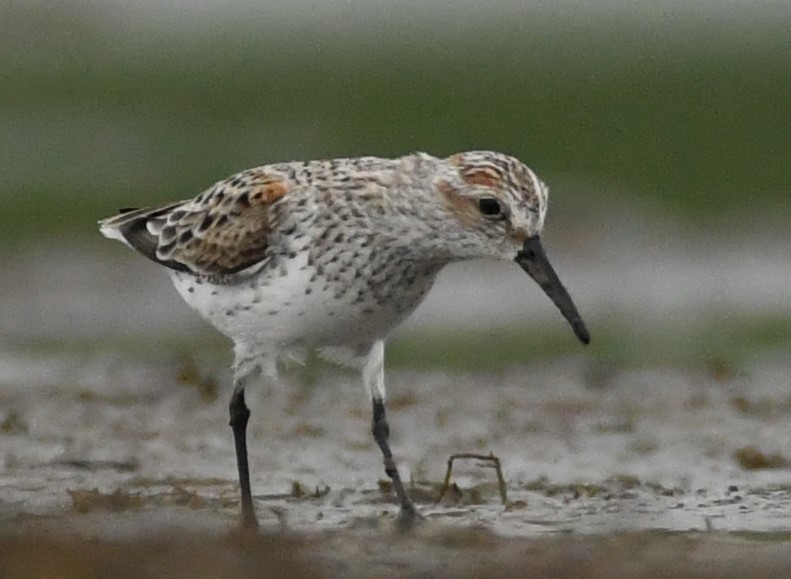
(221, 232)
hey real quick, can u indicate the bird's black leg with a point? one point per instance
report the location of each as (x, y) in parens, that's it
(381, 432)
(240, 413)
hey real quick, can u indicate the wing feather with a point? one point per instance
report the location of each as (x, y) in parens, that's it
(222, 231)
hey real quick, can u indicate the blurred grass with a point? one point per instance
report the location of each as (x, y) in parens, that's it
(717, 344)
(690, 120)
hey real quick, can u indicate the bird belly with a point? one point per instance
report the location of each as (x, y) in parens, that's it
(290, 305)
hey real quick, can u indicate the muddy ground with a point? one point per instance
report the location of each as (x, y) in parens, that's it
(112, 462)
(117, 460)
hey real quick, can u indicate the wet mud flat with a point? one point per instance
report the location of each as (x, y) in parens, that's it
(121, 465)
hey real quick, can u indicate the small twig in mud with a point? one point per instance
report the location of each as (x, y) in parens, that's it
(495, 464)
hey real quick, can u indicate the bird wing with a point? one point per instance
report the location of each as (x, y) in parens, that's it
(222, 231)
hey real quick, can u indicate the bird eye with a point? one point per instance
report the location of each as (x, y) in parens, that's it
(489, 206)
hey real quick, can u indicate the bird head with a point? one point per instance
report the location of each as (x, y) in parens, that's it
(501, 204)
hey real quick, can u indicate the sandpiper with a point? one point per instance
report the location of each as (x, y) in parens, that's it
(332, 255)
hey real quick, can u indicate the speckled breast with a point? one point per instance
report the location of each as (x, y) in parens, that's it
(295, 301)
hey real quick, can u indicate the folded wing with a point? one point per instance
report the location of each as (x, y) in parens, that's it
(222, 231)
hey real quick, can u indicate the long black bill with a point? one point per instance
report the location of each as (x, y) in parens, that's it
(534, 261)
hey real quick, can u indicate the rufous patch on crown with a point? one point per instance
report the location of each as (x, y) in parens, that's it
(484, 177)
(474, 173)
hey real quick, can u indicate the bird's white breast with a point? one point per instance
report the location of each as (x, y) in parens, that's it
(289, 305)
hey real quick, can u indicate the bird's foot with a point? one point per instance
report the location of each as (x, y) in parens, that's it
(408, 516)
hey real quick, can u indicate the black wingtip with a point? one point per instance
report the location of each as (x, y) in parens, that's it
(137, 235)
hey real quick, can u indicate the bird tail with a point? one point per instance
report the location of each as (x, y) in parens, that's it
(138, 228)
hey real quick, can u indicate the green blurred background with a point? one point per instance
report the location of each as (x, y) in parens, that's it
(677, 112)
(682, 108)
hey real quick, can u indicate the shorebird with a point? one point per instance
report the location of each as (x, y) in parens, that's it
(333, 255)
